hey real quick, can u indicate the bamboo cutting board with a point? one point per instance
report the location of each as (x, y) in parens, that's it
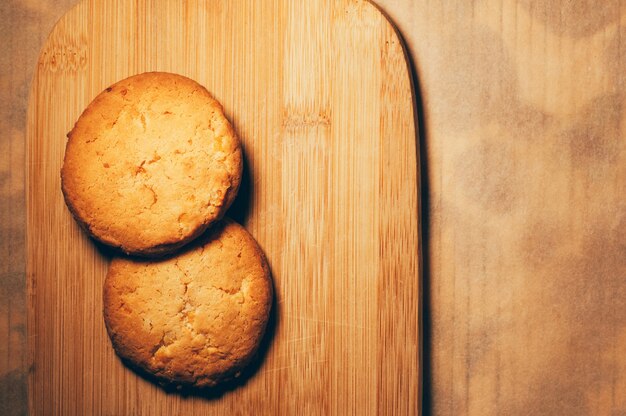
(320, 94)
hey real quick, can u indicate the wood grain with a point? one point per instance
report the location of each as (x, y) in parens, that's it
(320, 93)
(24, 25)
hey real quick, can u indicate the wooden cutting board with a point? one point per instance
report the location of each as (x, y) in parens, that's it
(320, 94)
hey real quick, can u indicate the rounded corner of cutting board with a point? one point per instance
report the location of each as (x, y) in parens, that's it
(61, 21)
(396, 30)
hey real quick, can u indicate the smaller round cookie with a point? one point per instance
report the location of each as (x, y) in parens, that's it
(194, 319)
(150, 164)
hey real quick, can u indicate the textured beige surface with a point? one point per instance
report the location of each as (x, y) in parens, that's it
(320, 95)
(151, 163)
(195, 318)
(524, 151)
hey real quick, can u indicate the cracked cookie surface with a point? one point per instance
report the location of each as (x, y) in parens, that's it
(150, 164)
(196, 318)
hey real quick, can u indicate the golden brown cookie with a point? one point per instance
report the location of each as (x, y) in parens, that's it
(193, 319)
(150, 164)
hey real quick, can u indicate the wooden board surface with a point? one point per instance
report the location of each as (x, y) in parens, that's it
(320, 93)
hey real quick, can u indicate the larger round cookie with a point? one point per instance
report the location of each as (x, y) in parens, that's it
(151, 163)
(193, 319)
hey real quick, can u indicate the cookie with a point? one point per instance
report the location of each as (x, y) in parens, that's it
(151, 164)
(196, 318)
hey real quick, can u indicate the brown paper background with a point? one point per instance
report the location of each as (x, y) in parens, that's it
(525, 204)
(522, 109)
